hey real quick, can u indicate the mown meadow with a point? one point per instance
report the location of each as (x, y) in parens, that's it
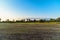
(29, 31)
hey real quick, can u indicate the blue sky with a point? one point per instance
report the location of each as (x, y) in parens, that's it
(29, 8)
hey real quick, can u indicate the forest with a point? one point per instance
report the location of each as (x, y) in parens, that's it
(31, 20)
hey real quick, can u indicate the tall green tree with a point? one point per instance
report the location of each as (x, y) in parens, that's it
(0, 19)
(58, 19)
(52, 20)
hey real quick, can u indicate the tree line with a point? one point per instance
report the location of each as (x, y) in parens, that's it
(29, 20)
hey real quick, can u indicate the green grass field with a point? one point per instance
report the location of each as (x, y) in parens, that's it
(29, 31)
(21, 27)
